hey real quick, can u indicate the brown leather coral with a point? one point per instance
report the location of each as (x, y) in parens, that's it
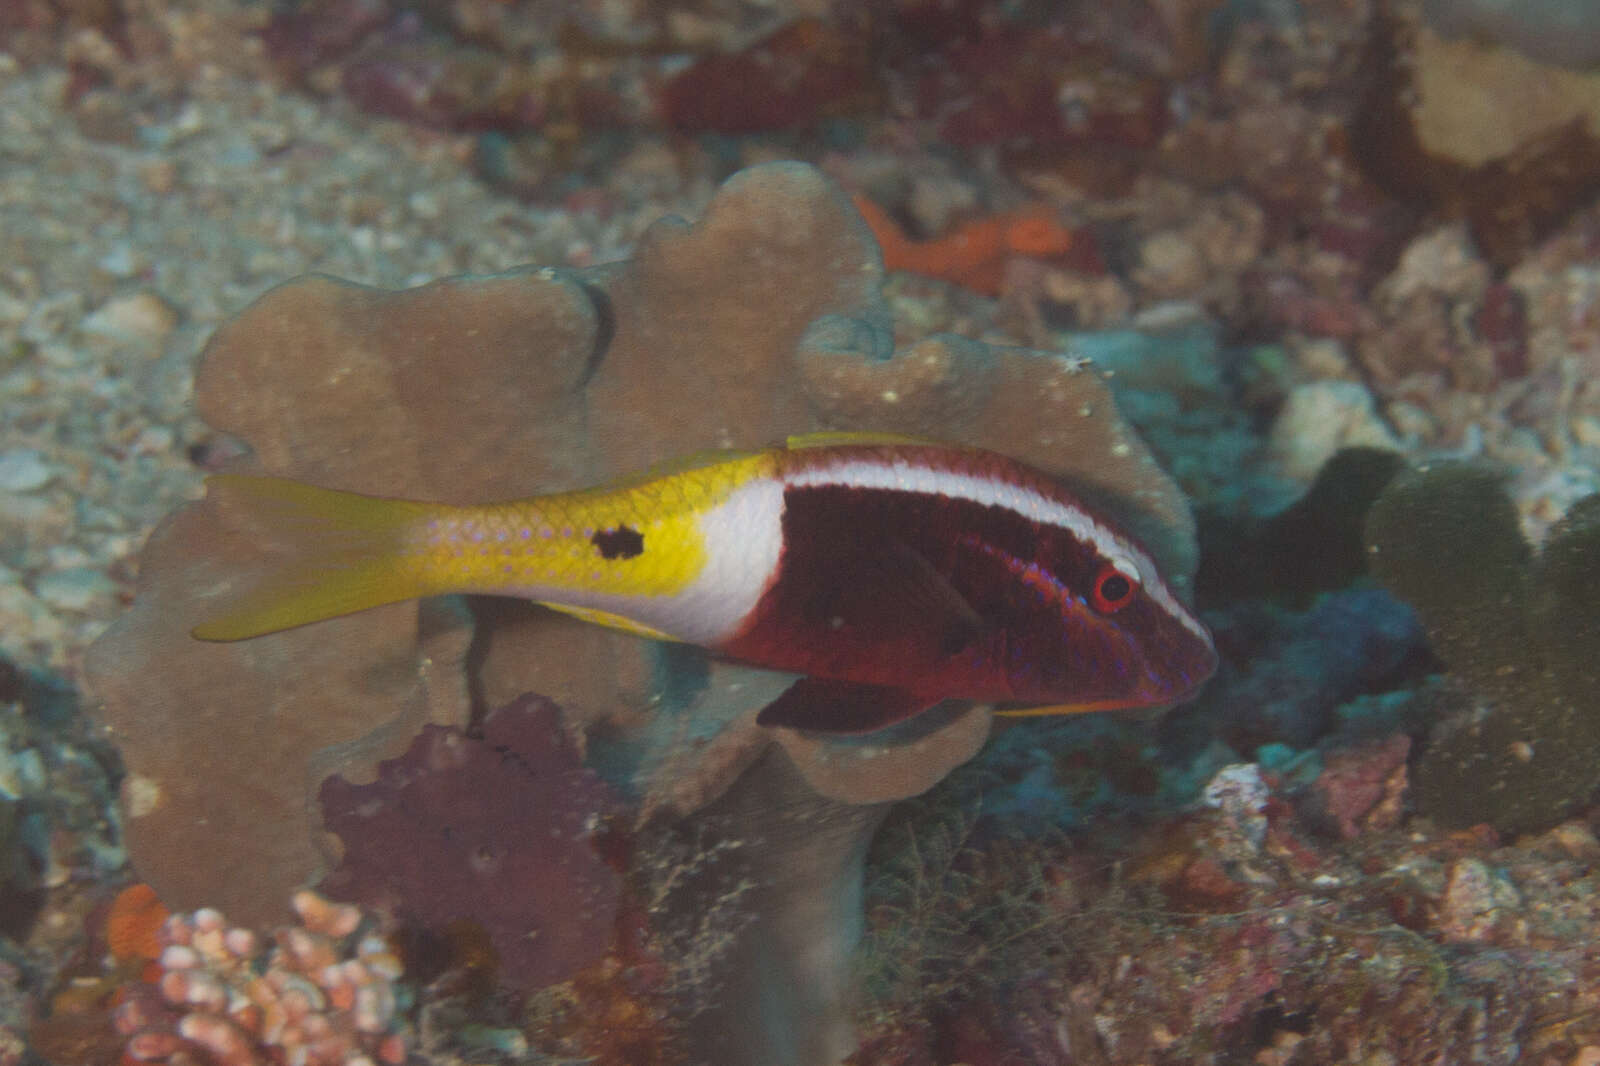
(760, 321)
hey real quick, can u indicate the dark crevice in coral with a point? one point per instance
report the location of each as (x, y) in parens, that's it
(47, 699)
(487, 612)
(12, 681)
(19, 907)
(1263, 1029)
(1381, 135)
(605, 327)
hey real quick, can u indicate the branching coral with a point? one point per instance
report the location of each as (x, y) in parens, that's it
(1520, 631)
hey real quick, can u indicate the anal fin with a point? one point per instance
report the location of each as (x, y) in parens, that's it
(824, 706)
(1057, 709)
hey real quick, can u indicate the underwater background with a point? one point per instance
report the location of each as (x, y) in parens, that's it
(1306, 292)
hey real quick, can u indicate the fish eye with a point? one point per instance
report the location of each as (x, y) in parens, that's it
(1114, 587)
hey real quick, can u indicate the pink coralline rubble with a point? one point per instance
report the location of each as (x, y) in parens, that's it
(1361, 788)
(1180, 947)
(445, 835)
(322, 993)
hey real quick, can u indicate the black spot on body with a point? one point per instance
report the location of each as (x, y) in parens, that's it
(623, 542)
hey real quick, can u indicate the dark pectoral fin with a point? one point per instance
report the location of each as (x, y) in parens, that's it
(840, 707)
(933, 601)
(888, 587)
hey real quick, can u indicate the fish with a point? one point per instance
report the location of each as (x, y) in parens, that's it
(891, 573)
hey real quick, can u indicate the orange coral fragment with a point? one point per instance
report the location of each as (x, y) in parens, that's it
(974, 255)
(134, 922)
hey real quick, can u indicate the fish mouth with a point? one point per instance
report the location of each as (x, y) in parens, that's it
(1186, 685)
(1182, 695)
(1180, 681)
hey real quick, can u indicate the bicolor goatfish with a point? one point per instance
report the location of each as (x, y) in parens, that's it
(892, 573)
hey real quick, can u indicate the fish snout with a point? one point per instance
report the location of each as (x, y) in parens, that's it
(1186, 664)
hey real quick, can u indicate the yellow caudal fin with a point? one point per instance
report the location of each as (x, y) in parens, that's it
(330, 553)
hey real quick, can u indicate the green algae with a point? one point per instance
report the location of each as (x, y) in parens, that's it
(1520, 633)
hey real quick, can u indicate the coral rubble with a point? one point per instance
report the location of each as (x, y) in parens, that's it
(1439, 128)
(1233, 933)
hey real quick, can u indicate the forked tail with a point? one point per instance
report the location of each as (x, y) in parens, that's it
(331, 553)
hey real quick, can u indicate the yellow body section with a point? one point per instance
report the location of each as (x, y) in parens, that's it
(332, 553)
(548, 542)
(339, 552)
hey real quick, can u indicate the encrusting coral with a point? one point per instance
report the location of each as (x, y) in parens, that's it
(1520, 632)
(761, 321)
(444, 835)
(133, 923)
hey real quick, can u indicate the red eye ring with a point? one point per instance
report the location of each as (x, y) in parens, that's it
(1113, 589)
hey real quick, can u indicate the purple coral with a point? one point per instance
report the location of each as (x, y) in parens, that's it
(496, 831)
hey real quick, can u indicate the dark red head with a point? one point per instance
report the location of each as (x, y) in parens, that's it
(1092, 625)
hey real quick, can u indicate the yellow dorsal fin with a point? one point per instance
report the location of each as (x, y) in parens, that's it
(679, 464)
(832, 438)
(695, 461)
